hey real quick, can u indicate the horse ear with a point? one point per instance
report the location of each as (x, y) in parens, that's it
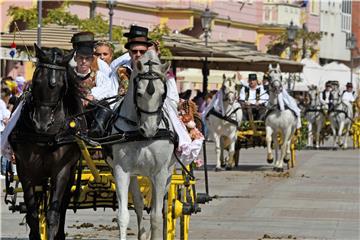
(224, 76)
(39, 53)
(234, 77)
(278, 67)
(165, 67)
(68, 57)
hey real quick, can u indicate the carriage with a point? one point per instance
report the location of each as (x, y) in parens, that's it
(94, 188)
(45, 165)
(232, 133)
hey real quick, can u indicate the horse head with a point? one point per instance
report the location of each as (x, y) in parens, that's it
(49, 84)
(336, 96)
(229, 89)
(149, 92)
(313, 93)
(275, 80)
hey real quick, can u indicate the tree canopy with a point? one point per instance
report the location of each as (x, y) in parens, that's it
(98, 25)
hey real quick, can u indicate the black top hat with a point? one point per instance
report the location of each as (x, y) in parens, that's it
(81, 37)
(349, 84)
(85, 49)
(252, 76)
(137, 34)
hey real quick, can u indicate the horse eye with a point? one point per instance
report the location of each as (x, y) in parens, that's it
(139, 94)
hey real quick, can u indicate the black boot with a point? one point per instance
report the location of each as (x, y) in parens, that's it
(100, 123)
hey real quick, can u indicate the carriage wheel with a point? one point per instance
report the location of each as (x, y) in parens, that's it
(169, 222)
(187, 196)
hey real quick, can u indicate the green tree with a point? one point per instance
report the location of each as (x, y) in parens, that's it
(279, 43)
(156, 34)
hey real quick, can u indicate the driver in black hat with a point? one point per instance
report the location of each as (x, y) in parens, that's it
(349, 95)
(137, 44)
(253, 98)
(95, 85)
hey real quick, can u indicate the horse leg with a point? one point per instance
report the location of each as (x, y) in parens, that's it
(340, 133)
(60, 186)
(138, 205)
(231, 161)
(32, 217)
(333, 129)
(159, 183)
(285, 148)
(122, 180)
(346, 135)
(218, 152)
(310, 135)
(269, 133)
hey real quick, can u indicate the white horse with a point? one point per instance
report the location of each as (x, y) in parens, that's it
(315, 116)
(146, 153)
(224, 118)
(340, 120)
(278, 121)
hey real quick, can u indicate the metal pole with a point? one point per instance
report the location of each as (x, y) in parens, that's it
(205, 70)
(351, 66)
(39, 23)
(288, 82)
(111, 13)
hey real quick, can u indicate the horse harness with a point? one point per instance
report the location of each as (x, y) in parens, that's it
(227, 117)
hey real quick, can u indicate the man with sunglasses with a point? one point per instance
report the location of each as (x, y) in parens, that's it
(138, 43)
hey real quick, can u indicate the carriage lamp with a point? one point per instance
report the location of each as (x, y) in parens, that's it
(351, 44)
(206, 19)
(111, 5)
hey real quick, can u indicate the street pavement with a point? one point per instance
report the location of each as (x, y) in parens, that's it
(318, 199)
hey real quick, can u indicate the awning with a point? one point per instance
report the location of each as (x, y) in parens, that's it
(187, 51)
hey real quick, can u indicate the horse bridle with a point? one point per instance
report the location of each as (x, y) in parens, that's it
(150, 76)
(52, 84)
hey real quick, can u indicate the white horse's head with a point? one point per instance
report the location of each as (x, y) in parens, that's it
(275, 79)
(229, 89)
(314, 95)
(150, 90)
(336, 95)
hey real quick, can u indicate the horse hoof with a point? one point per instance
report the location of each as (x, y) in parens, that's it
(270, 161)
(219, 169)
(286, 160)
(223, 165)
(228, 168)
(279, 169)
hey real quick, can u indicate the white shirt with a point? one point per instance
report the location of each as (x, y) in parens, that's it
(104, 87)
(4, 114)
(348, 97)
(263, 98)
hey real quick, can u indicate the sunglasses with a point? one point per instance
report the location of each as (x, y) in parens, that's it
(136, 51)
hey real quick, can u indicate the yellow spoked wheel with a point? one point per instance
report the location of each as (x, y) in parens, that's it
(169, 222)
(187, 197)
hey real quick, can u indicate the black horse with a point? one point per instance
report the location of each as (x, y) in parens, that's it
(45, 151)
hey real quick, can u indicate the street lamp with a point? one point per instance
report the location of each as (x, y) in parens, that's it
(351, 44)
(206, 19)
(305, 29)
(291, 34)
(111, 4)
